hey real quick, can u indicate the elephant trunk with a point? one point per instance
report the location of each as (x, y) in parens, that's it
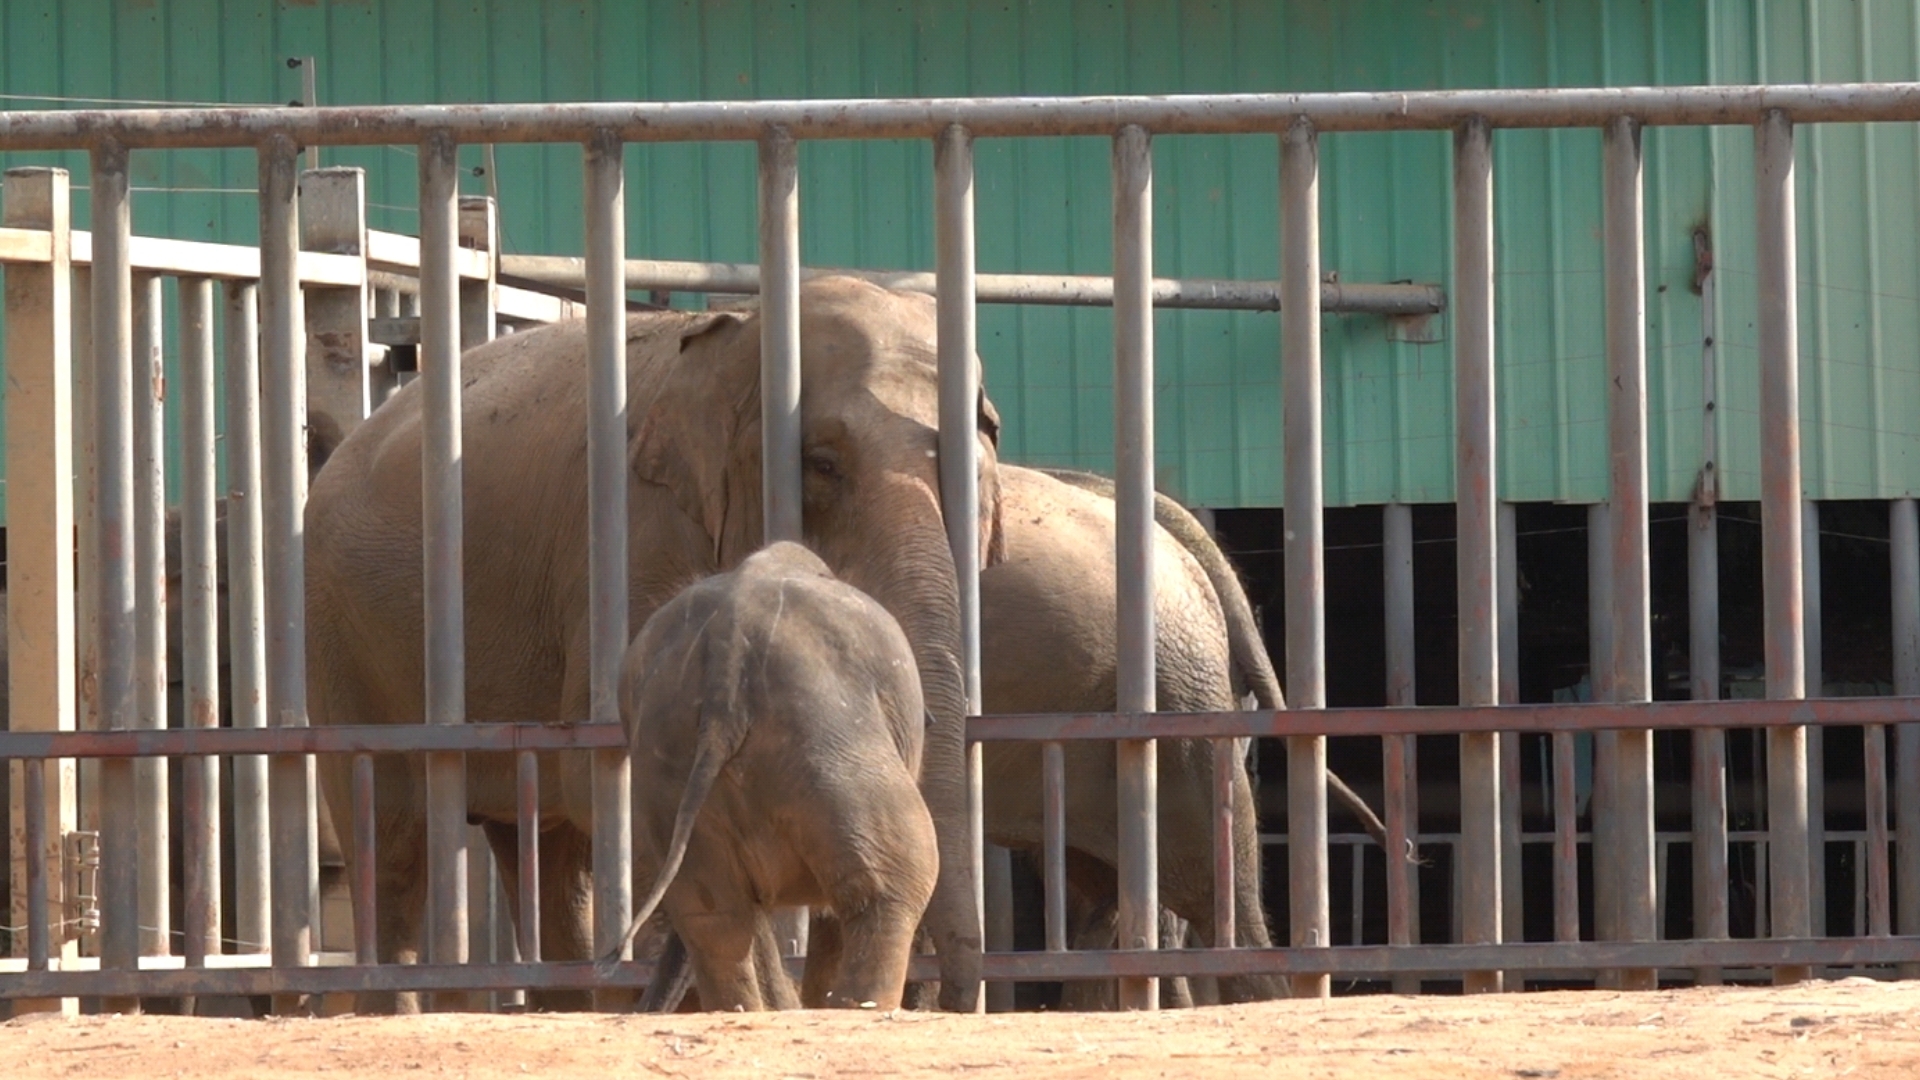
(914, 580)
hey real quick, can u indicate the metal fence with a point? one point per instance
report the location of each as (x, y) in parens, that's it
(121, 676)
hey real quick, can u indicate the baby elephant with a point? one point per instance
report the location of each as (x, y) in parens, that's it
(775, 720)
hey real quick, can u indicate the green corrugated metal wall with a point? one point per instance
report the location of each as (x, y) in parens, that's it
(1043, 204)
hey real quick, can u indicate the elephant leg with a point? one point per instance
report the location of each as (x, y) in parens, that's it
(721, 946)
(876, 945)
(399, 873)
(566, 910)
(671, 976)
(824, 946)
(769, 967)
(1175, 993)
(504, 840)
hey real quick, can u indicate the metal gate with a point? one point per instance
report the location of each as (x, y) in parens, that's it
(124, 521)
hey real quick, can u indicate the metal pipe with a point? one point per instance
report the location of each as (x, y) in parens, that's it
(779, 336)
(442, 544)
(1709, 786)
(1632, 666)
(1512, 891)
(925, 118)
(1401, 771)
(1904, 533)
(246, 616)
(199, 622)
(1879, 922)
(283, 498)
(1053, 842)
(1066, 290)
(1778, 326)
(1566, 843)
(1606, 886)
(606, 226)
(113, 568)
(1225, 922)
(1477, 528)
(1135, 760)
(150, 609)
(1307, 881)
(33, 776)
(527, 827)
(1816, 736)
(959, 374)
(366, 837)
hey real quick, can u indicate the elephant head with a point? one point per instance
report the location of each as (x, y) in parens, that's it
(872, 509)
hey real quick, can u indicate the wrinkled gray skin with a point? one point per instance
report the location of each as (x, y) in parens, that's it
(869, 414)
(775, 723)
(1048, 645)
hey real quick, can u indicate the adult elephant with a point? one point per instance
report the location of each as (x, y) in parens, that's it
(1048, 644)
(872, 510)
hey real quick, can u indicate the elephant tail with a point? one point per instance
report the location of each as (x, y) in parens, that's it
(723, 728)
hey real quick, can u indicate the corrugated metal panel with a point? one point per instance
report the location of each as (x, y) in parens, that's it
(1043, 204)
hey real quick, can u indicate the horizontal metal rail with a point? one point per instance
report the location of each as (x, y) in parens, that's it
(925, 118)
(1264, 724)
(1056, 290)
(1345, 960)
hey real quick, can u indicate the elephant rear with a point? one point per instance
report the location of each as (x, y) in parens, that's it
(775, 719)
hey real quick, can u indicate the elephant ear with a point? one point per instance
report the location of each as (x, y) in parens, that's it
(699, 434)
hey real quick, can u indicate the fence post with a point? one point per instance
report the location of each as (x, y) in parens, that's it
(1709, 801)
(150, 610)
(1135, 759)
(1306, 601)
(40, 601)
(199, 623)
(1402, 764)
(1476, 494)
(247, 618)
(1780, 503)
(1512, 885)
(333, 218)
(477, 232)
(1631, 662)
(1816, 735)
(283, 498)
(606, 223)
(86, 464)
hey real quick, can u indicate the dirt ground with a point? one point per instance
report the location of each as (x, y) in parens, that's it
(1853, 1027)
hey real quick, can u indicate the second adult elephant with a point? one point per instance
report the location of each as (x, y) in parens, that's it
(869, 459)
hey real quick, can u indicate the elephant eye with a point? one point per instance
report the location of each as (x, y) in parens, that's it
(823, 465)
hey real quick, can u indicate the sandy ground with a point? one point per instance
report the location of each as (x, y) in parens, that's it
(1853, 1027)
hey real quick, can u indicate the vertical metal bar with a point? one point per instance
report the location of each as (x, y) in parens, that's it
(1601, 844)
(1307, 881)
(959, 452)
(1402, 786)
(246, 616)
(997, 876)
(606, 214)
(39, 941)
(1709, 781)
(366, 922)
(283, 500)
(150, 609)
(113, 564)
(39, 325)
(1512, 892)
(443, 543)
(780, 335)
(1879, 922)
(86, 463)
(1632, 666)
(200, 628)
(780, 380)
(1225, 923)
(1904, 533)
(1780, 502)
(1475, 494)
(1053, 842)
(1566, 843)
(1709, 745)
(1816, 735)
(477, 229)
(1136, 759)
(527, 825)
